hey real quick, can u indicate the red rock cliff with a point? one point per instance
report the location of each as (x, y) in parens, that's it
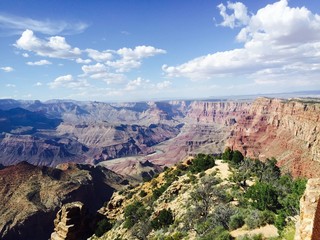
(286, 130)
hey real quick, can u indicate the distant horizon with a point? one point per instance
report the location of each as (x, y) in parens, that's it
(297, 94)
(126, 51)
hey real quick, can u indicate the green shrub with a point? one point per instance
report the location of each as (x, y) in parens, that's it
(255, 218)
(217, 233)
(267, 217)
(280, 221)
(252, 219)
(102, 227)
(263, 196)
(133, 213)
(237, 157)
(227, 155)
(222, 214)
(164, 219)
(156, 193)
(142, 193)
(201, 163)
(175, 236)
(236, 221)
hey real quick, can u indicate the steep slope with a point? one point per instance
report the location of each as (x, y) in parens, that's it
(288, 130)
(205, 198)
(31, 196)
(43, 150)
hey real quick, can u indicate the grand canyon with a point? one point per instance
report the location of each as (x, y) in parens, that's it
(56, 143)
(160, 120)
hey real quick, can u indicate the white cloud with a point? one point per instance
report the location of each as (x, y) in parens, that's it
(99, 71)
(39, 63)
(163, 85)
(279, 43)
(134, 84)
(99, 56)
(54, 47)
(238, 18)
(124, 65)
(9, 85)
(99, 67)
(67, 81)
(26, 55)
(7, 69)
(139, 52)
(19, 24)
(129, 58)
(38, 84)
(141, 84)
(83, 61)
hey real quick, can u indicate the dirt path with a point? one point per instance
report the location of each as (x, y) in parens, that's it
(267, 231)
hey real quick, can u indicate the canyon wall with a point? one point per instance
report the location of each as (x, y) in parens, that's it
(284, 129)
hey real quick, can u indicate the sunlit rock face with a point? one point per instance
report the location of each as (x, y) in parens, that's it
(286, 130)
(308, 227)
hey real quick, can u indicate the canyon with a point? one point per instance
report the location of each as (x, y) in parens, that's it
(61, 151)
(60, 131)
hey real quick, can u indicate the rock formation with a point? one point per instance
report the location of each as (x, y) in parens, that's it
(31, 196)
(308, 226)
(284, 129)
(71, 223)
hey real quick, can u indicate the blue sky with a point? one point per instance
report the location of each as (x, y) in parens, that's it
(122, 50)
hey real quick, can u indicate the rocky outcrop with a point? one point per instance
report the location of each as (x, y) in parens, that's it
(285, 129)
(31, 196)
(308, 225)
(71, 223)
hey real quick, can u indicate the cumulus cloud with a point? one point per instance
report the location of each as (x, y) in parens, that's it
(38, 84)
(139, 52)
(26, 55)
(96, 68)
(279, 43)
(129, 58)
(67, 81)
(238, 18)
(39, 63)
(99, 56)
(101, 72)
(54, 47)
(83, 61)
(124, 59)
(7, 69)
(136, 84)
(9, 85)
(19, 24)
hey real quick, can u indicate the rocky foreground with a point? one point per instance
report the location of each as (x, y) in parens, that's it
(31, 196)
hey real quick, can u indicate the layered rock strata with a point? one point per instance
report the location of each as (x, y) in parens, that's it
(71, 223)
(31, 196)
(284, 129)
(308, 225)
